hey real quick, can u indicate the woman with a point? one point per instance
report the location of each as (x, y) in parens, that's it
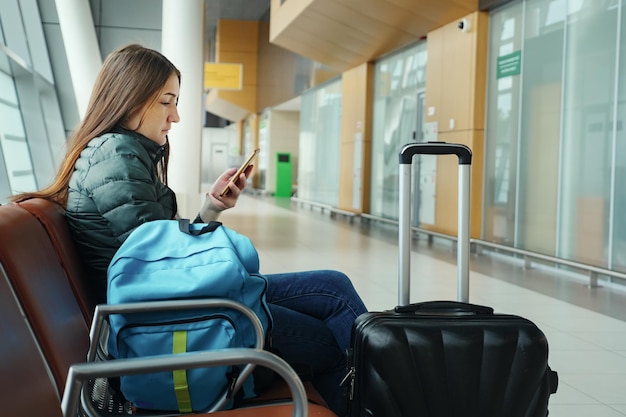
(114, 178)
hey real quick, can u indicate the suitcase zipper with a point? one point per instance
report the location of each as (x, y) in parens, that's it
(349, 379)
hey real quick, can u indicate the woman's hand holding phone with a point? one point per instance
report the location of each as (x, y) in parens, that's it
(226, 190)
(214, 203)
(245, 169)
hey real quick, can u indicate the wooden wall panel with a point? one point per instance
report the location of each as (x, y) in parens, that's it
(237, 42)
(446, 186)
(236, 36)
(270, 73)
(249, 64)
(276, 72)
(456, 75)
(455, 100)
(457, 83)
(356, 117)
(479, 68)
(477, 144)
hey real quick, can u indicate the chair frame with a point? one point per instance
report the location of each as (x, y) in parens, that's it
(97, 333)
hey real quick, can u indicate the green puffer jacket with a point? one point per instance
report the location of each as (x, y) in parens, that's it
(114, 189)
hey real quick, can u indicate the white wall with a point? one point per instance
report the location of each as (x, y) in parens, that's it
(219, 151)
(284, 133)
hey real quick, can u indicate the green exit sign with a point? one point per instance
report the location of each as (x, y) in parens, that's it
(509, 65)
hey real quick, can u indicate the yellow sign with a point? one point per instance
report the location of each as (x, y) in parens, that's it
(224, 76)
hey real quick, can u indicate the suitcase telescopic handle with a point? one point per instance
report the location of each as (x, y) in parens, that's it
(435, 148)
(464, 155)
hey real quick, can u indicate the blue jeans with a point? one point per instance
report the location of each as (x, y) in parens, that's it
(313, 313)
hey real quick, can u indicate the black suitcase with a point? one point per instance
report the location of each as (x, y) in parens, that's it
(445, 358)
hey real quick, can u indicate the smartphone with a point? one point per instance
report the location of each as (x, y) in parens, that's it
(241, 169)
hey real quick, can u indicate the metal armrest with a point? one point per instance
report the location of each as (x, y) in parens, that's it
(103, 311)
(81, 373)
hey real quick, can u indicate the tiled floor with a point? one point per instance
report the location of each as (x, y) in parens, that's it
(585, 327)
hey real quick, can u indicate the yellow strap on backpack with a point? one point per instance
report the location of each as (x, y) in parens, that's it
(181, 387)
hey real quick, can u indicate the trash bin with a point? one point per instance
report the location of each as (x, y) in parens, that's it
(283, 175)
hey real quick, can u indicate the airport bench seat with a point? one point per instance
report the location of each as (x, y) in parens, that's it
(52, 312)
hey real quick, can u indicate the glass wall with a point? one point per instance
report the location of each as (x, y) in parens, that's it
(399, 82)
(502, 129)
(617, 258)
(319, 145)
(589, 87)
(554, 170)
(31, 127)
(17, 162)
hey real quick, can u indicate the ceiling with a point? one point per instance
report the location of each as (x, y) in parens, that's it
(343, 33)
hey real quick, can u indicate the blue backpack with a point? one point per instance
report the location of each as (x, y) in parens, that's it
(176, 260)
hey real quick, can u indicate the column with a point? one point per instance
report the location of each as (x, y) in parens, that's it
(81, 47)
(182, 42)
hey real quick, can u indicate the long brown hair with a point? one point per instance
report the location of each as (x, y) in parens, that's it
(130, 77)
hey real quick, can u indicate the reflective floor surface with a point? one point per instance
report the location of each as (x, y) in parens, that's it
(585, 327)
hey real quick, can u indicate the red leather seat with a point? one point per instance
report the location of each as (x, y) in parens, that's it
(25, 384)
(41, 277)
(52, 218)
(35, 271)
